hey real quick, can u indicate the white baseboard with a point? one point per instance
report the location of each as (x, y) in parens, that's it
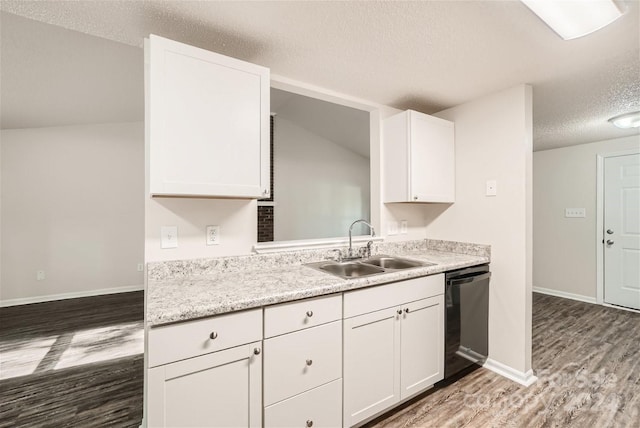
(557, 293)
(63, 296)
(526, 379)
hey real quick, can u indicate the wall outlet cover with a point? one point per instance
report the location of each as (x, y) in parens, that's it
(213, 235)
(404, 227)
(40, 276)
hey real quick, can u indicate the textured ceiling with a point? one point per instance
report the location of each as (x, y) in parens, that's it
(426, 55)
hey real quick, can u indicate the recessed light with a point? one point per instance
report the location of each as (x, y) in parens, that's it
(627, 120)
(572, 19)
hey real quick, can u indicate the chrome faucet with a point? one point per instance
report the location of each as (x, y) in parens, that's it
(373, 233)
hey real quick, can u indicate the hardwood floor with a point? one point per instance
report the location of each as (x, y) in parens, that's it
(76, 362)
(79, 363)
(586, 358)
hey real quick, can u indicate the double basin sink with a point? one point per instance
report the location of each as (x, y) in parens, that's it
(365, 267)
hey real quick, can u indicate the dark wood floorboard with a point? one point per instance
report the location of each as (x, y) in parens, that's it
(586, 358)
(73, 363)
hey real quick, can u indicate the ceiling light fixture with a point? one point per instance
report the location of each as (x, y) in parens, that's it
(572, 18)
(627, 120)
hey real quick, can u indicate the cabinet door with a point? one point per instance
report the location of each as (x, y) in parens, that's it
(221, 389)
(208, 122)
(432, 159)
(422, 345)
(371, 373)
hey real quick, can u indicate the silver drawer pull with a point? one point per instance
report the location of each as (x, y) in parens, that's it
(399, 311)
(256, 351)
(309, 362)
(213, 335)
(406, 310)
(309, 314)
(309, 423)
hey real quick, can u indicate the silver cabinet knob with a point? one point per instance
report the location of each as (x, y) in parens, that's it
(406, 310)
(309, 423)
(309, 314)
(213, 335)
(399, 311)
(309, 362)
(609, 232)
(256, 351)
(609, 242)
(415, 198)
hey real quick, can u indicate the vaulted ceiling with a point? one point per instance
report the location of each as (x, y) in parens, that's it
(427, 55)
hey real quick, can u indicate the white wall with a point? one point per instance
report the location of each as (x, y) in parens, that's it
(494, 141)
(72, 206)
(331, 182)
(564, 249)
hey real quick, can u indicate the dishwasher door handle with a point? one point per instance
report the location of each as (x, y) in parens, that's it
(469, 279)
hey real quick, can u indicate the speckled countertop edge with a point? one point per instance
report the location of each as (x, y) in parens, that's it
(186, 290)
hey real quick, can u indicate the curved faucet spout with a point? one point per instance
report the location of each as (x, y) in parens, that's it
(373, 233)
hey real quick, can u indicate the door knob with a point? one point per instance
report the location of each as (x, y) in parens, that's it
(609, 232)
(609, 242)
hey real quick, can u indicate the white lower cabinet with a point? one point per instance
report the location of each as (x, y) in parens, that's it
(221, 389)
(331, 361)
(320, 407)
(371, 364)
(394, 353)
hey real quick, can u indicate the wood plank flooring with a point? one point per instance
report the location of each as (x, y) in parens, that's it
(73, 363)
(586, 358)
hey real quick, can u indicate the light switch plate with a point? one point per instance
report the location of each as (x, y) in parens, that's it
(169, 237)
(213, 235)
(492, 188)
(392, 228)
(575, 212)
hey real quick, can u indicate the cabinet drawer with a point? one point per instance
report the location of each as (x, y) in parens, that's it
(320, 408)
(372, 299)
(192, 338)
(294, 316)
(297, 362)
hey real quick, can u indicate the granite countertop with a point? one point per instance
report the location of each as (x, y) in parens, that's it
(185, 290)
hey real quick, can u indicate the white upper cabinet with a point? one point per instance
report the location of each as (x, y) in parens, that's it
(207, 123)
(418, 158)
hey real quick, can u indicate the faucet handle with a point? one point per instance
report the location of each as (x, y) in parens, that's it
(335, 255)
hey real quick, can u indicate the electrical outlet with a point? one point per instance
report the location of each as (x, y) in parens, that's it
(169, 237)
(213, 235)
(140, 267)
(404, 226)
(575, 212)
(40, 276)
(392, 228)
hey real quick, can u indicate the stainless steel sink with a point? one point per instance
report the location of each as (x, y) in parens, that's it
(347, 269)
(372, 266)
(395, 263)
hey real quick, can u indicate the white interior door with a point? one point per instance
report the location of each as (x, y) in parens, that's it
(621, 235)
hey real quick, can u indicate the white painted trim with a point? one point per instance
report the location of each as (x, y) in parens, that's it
(278, 246)
(63, 296)
(527, 379)
(563, 294)
(600, 157)
(621, 307)
(266, 204)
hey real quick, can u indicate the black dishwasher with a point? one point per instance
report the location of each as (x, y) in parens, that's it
(466, 319)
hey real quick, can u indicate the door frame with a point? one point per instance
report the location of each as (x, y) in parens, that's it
(600, 223)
